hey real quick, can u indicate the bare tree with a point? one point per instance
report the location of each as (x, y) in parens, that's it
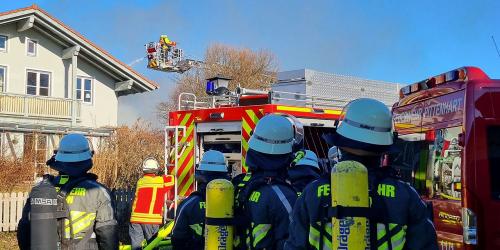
(246, 68)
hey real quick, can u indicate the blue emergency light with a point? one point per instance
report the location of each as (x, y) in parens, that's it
(210, 89)
(216, 85)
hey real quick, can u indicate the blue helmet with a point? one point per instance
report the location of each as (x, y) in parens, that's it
(309, 159)
(276, 134)
(213, 161)
(73, 148)
(212, 166)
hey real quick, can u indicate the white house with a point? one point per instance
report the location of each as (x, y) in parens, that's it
(54, 81)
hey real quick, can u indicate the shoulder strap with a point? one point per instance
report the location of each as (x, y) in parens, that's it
(283, 200)
(64, 191)
(380, 175)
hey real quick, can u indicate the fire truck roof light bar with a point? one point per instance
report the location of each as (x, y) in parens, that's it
(460, 74)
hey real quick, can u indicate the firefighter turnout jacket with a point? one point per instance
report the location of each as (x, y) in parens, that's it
(266, 212)
(91, 216)
(399, 218)
(150, 194)
(189, 225)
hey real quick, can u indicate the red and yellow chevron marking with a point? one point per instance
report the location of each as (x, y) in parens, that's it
(185, 170)
(249, 120)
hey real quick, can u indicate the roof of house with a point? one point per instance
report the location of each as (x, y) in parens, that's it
(34, 16)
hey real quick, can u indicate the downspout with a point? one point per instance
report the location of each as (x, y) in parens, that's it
(74, 70)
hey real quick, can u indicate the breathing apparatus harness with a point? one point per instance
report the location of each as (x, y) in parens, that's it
(47, 219)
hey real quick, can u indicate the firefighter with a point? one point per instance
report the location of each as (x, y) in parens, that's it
(151, 193)
(399, 218)
(333, 156)
(264, 199)
(189, 226)
(88, 221)
(304, 171)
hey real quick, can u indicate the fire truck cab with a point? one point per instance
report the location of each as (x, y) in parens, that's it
(449, 136)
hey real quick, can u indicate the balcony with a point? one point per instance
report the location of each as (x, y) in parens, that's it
(37, 107)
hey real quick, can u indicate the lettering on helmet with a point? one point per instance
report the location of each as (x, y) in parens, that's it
(255, 196)
(386, 190)
(202, 205)
(324, 190)
(43, 201)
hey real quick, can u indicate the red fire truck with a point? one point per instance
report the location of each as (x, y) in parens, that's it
(449, 130)
(225, 123)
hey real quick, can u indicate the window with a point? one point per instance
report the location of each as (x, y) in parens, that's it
(494, 160)
(31, 47)
(84, 85)
(433, 161)
(3, 78)
(37, 83)
(446, 160)
(3, 43)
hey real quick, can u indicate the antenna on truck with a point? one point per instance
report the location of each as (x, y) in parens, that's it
(496, 46)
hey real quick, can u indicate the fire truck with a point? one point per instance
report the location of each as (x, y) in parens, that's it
(449, 136)
(224, 120)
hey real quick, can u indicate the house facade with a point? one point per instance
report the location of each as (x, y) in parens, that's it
(54, 81)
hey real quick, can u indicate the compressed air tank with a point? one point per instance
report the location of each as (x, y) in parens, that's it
(349, 190)
(43, 222)
(219, 215)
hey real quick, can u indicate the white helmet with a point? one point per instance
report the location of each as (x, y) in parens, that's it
(309, 159)
(150, 165)
(368, 121)
(213, 161)
(73, 148)
(274, 134)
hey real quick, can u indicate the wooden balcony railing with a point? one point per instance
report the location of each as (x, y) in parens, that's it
(37, 106)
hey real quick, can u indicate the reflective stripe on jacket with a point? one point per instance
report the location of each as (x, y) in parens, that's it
(150, 197)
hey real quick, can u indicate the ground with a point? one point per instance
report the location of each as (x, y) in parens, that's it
(8, 240)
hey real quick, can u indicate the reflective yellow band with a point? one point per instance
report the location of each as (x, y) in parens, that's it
(80, 222)
(197, 229)
(396, 239)
(332, 112)
(296, 109)
(146, 220)
(259, 232)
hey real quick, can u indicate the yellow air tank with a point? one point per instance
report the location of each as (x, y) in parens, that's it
(350, 203)
(219, 215)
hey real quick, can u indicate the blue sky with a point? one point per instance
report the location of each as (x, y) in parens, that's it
(383, 40)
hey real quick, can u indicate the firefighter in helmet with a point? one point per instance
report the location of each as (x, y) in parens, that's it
(304, 170)
(87, 220)
(152, 191)
(399, 220)
(264, 199)
(166, 43)
(189, 226)
(333, 155)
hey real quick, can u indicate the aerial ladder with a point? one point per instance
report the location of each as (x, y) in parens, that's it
(165, 56)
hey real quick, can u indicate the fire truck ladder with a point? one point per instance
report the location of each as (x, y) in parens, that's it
(173, 151)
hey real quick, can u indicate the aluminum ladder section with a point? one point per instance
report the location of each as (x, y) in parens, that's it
(173, 151)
